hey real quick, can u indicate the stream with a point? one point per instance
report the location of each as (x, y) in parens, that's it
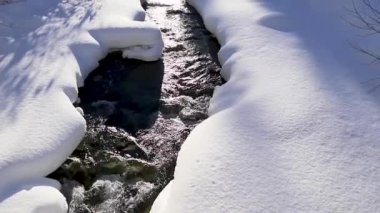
(138, 115)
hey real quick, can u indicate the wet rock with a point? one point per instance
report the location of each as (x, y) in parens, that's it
(74, 193)
(203, 103)
(171, 108)
(176, 104)
(139, 170)
(125, 143)
(104, 193)
(189, 114)
(112, 165)
(73, 166)
(174, 11)
(174, 48)
(195, 91)
(75, 169)
(165, 30)
(112, 138)
(139, 194)
(186, 101)
(135, 150)
(207, 90)
(81, 208)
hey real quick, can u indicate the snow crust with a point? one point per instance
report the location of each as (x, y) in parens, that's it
(295, 128)
(47, 48)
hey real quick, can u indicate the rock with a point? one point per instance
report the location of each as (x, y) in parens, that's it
(71, 189)
(74, 192)
(196, 91)
(82, 208)
(184, 133)
(174, 48)
(175, 105)
(186, 101)
(203, 102)
(171, 107)
(113, 165)
(73, 166)
(189, 114)
(125, 143)
(140, 170)
(112, 139)
(79, 172)
(174, 11)
(142, 192)
(74, 169)
(107, 188)
(165, 30)
(207, 90)
(134, 150)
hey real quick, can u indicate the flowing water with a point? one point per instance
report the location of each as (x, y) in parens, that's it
(139, 114)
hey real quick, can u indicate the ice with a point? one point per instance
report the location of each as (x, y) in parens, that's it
(294, 129)
(47, 48)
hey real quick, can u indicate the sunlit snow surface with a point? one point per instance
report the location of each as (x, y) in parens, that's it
(295, 128)
(47, 48)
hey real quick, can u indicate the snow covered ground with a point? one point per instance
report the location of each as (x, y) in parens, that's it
(47, 48)
(295, 128)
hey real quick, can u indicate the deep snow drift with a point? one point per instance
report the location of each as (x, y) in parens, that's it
(294, 129)
(47, 48)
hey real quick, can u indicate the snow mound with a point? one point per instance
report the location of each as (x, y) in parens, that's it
(294, 129)
(47, 48)
(40, 196)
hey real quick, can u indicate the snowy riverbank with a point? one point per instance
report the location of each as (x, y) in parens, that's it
(47, 49)
(294, 129)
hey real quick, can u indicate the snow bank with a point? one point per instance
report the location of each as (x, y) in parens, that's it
(47, 48)
(38, 196)
(294, 129)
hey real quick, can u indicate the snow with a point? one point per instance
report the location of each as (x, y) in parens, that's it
(39, 196)
(294, 129)
(47, 48)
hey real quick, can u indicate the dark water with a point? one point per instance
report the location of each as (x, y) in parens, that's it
(133, 86)
(139, 114)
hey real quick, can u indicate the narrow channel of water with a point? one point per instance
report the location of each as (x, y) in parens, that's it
(139, 114)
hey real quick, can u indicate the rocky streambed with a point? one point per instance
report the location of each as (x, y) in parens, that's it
(139, 114)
